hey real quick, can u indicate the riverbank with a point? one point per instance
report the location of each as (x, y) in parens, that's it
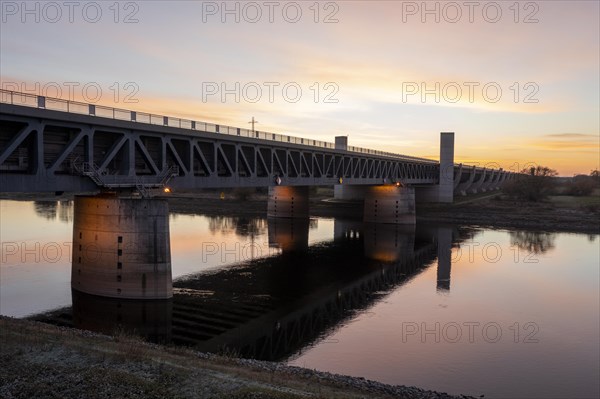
(45, 361)
(490, 210)
(556, 214)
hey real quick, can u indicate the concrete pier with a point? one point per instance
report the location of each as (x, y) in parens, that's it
(390, 204)
(288, 202)
(443, 192)
(346, 192)
(463, 186)
(478, 182)
(121, 247)
(446, 186)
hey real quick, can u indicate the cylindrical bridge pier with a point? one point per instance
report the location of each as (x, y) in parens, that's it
(390, 204)
(121, 247)
(288, 202)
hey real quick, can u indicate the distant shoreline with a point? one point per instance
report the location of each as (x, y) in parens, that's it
(483, 211)
(558, 214)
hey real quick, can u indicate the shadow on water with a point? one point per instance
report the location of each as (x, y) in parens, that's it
(273, 307)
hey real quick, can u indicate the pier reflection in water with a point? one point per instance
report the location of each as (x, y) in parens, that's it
(272, 307)
(150, 319)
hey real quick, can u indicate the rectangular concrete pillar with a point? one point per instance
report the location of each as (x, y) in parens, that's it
(446, 186)
(341, 142)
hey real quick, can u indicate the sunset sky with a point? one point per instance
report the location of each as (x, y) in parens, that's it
(518, 82)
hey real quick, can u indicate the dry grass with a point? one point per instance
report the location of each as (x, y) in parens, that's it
(568, 201)
(43, 361)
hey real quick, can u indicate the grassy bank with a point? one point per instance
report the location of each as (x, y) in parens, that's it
(44, 361)
(557, 213)
(493, 210)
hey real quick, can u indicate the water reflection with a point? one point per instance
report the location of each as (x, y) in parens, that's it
(533, 242)
(274, 307)
(45, 209)
(51, 210)
(388, 242)
(444, 251)
(241, 226)
(271, 308)
(352, 288)
(150, 319)
(288, 234)
(250, 226)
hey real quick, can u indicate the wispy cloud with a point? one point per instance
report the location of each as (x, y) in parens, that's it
(567, 141)
(573, 136)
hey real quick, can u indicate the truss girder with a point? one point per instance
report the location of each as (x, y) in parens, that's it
(41, 155)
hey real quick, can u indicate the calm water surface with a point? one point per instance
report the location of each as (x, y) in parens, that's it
(504, 313)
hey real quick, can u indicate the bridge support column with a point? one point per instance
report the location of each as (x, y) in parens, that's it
(503, 177)
(288, 202)
(121, 247)
(444, 191)
(476, 186)
(446, 186)
(390, 204)
(349, 193)
(463, 187)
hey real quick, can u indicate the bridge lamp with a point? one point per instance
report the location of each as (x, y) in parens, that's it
(340, 180)
(278, 180)
(167, 190)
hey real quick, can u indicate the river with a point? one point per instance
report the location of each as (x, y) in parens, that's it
(502, 313)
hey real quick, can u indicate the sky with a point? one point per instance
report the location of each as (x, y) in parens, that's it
(517, 81)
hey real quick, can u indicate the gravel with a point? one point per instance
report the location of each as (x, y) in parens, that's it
(44, 361)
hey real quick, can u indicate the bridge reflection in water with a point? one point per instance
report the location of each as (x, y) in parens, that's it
(273, 307)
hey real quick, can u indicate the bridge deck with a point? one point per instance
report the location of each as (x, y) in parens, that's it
(47, 143)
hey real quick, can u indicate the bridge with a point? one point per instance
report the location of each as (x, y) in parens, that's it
(50, 144)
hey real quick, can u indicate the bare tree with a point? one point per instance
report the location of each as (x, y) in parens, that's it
(532, 184)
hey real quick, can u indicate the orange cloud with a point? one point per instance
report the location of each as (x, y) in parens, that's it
(568, 141)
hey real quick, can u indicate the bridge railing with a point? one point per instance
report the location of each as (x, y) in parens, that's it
(58, 104)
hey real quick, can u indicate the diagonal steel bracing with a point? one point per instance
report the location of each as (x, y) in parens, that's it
(47, 150)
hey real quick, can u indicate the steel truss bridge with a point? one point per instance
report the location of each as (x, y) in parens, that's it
(50, 144)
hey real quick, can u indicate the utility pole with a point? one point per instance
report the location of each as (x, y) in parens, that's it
(253, 122)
